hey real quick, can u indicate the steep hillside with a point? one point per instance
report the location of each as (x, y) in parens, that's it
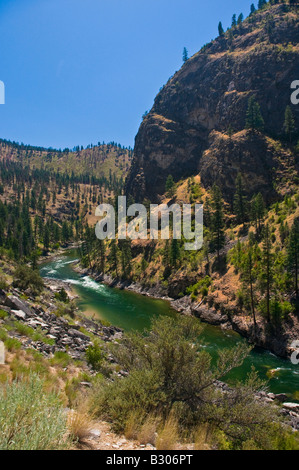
(259, 57)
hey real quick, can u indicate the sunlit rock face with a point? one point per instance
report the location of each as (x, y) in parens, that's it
(192, 114)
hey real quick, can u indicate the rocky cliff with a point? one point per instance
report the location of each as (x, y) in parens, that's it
(185, 131)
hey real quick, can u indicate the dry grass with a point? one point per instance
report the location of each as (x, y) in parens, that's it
(79, 425)
(168, 435)
(133, 425)
(148, 431)
(201, 441)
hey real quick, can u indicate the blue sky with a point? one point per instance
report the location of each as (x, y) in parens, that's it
(81, 71)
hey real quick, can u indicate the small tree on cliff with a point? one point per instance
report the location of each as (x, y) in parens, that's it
(249, 277)
(220, 29)
(289, 123)
(266, 274)
(254, 118)
(252, 9)
(240, 202)
(262, 4)
(169, 186)
(185, 55)
(240, 18)
(217, 222)
(293, 255)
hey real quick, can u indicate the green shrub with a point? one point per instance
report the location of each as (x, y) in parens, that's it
(61, 359)
(170, 375)
(3, 283)
(27, 278)
(30, 419)
(3, 314)
(201, 287)
(62, 296)
(94, 356)
(12, 344)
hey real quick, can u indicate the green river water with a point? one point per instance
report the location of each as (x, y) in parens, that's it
(132, 311)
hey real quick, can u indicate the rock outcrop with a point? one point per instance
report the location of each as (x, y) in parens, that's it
(210, 93)
(65, 336)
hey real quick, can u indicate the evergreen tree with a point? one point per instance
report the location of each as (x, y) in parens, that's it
(234, 20)
(46, 238)
(169, 186)
(252, 9)
(254, 119)
(289, 123)
(266, 274)
(261, 4)
(220, 29)
(217, 222)
(113, 256)
(174, 252)
(101, 251)
(293, 254)
(240, 18)
(249, 278)
(185, 55)
(258, 211)
(126, 257)
(240, 201)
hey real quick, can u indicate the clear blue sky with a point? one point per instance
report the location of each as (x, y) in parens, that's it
(82, 71)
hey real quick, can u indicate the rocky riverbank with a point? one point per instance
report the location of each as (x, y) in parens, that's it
(58, 333)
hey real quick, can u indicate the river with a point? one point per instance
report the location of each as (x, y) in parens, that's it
(132, 311)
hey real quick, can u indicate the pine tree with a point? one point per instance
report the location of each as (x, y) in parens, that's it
(240, 18)
(174, 252)
(113, 256)
(289, 123)
(217, 222)
(258, 211)
(266, 275)
(220, 29)
(293, 255)
(240, 202)
(252, 9)
(254, 119)
(101, 251)
(126, 257)
(234, 20)
(261, 4)
(166, 255)
(46, 238)
(249, 278)
(185, 55)
(169, 186)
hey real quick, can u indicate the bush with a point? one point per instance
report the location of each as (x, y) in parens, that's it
(62, 296)
(3, 283)
(27, 278)
(94, 356)
(12, 344)
(31, 419)
(201, 287)
(172, 377)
